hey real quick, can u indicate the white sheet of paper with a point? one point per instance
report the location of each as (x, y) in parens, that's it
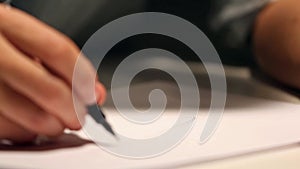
(267, 124)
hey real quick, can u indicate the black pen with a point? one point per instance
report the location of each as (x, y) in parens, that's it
(98, 115)
(94, 110)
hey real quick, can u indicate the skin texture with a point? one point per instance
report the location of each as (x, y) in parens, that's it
(35, 89)
(277, 41)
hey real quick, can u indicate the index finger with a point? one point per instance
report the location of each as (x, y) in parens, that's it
(53, 48)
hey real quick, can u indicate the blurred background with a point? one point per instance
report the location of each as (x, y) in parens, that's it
(80, 19)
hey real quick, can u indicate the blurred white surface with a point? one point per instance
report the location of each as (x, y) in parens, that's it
(259, 129)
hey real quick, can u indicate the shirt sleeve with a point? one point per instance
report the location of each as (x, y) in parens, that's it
(231, 21)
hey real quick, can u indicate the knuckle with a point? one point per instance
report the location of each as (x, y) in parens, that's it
(63, 52)
(62, 47)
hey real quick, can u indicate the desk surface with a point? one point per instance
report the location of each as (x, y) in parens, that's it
(285, 157)
(240, 81)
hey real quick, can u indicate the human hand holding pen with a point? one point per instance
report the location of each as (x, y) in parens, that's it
(36, 70)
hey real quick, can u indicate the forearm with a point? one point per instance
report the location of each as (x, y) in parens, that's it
(276, 41)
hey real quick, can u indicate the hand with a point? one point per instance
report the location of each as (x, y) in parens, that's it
(36, 70)
(276, 41)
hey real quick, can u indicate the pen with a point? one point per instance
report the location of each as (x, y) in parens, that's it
(94, 110)
(98, 115)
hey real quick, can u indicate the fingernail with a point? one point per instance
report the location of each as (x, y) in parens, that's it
(100, 93)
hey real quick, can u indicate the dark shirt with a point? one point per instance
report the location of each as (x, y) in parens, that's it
(228, 23)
